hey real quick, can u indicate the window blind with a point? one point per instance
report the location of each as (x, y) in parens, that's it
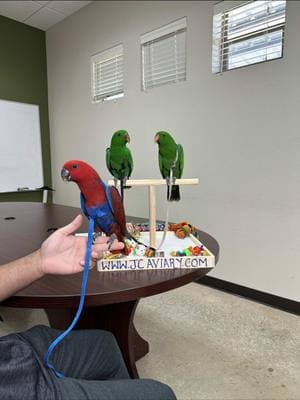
(107, 74)
(249, 33)
(164, 55)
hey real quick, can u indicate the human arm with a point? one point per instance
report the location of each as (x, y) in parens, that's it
(62, 253)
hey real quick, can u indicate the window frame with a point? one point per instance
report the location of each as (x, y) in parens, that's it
(100, 58)
(157, 35)
(226, 42)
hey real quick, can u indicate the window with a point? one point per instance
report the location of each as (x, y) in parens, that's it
(164, 55)
(249, 33)
(107, 74)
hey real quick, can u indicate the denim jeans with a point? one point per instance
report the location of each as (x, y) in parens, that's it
(89, 359)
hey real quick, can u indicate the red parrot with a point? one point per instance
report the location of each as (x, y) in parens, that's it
(97, 200)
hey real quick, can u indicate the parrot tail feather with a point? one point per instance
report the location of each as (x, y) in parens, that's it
(122, 190)
(122, 187)
(175, 193)
(129, 236)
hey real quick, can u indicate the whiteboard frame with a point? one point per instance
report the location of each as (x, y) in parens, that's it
(21, 160)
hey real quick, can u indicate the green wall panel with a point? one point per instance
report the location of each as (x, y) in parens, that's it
(23, 78)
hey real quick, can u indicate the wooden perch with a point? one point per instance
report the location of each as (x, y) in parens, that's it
(156, 182)
(151, 183)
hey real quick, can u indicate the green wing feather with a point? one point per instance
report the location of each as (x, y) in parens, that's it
(108, 160)
(128, 162)
(180, 161)
(170, 157)
(119, 159)
(119, 162)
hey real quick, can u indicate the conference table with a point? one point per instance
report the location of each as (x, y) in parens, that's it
(111, 297)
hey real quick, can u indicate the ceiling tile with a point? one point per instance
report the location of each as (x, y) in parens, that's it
(45, 18)
(67, 7)
(18, 10)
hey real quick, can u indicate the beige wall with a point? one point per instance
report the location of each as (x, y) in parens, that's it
(240, 132)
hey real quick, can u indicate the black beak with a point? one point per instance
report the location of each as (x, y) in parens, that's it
(65, 174)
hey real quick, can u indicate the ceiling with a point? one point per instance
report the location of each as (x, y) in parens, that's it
(40, 14)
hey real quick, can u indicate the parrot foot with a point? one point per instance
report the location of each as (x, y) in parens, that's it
(111, 239)
(170, 187)
(95, 235)
(124, 184)
(171, 181)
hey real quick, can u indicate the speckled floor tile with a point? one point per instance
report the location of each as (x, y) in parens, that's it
(210, 345)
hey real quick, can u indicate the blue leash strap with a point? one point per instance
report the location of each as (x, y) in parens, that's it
(82, 296)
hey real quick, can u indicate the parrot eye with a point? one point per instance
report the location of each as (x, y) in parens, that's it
(74, 166)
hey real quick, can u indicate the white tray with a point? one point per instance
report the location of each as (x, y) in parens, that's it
(134, 263)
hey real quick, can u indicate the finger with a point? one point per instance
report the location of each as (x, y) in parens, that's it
(101, 240)
(95, 255)
(93, 260)
(108, 246)
(116, 245)
(99, 249)
(72, 226)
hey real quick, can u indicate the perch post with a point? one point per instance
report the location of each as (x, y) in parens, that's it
(152, 215)
(151, 183)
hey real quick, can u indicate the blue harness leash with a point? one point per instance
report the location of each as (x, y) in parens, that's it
(80, 307)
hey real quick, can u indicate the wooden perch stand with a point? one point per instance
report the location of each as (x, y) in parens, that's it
(151, 183)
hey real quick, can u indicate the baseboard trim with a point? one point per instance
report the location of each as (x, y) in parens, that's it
(281, 303)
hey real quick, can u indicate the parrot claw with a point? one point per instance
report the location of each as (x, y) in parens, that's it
(111, 239)
(171, 181)
(95, 235)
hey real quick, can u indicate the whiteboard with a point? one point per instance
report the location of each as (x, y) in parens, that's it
(21, 164)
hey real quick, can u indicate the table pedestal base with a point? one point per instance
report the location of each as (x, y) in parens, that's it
(116, 318)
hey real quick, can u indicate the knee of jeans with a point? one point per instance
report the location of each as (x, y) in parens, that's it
(162, 390)
(38, 328)
(109, 338)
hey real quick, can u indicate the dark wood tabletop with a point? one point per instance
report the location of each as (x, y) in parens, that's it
(111, 297)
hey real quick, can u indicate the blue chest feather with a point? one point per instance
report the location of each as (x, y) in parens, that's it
(102, 214)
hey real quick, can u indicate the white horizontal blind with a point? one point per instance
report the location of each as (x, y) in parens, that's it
(164, 55)
(248, 34)
(107, 74)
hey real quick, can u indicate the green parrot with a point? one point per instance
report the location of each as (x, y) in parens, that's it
(119, 159)
(171, 162)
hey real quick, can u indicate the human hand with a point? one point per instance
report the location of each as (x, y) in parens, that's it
(63, 253)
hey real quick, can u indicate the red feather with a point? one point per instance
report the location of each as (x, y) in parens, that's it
(118, 208)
